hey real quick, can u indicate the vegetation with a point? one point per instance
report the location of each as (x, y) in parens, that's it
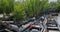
(28, 8)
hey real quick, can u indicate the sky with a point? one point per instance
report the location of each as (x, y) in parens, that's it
(49, 0)
(52, 0)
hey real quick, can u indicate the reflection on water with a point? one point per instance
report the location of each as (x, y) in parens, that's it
(58, 19)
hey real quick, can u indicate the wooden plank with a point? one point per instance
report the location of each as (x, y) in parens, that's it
(53, 31)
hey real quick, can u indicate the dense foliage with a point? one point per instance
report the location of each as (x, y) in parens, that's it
(28, 8)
